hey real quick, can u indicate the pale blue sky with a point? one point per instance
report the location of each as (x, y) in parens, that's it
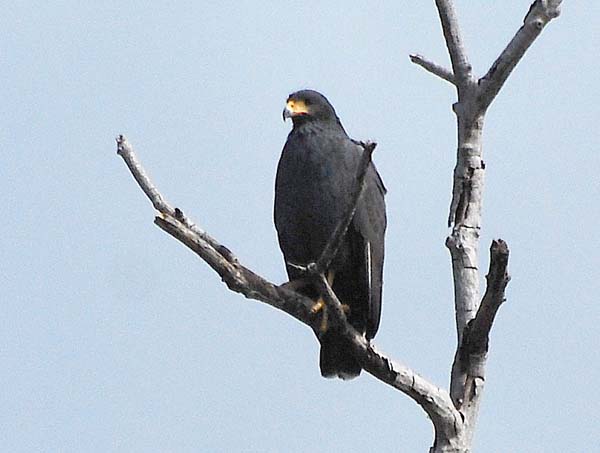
(116, 338)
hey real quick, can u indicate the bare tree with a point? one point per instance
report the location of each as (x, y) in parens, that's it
(453, 413)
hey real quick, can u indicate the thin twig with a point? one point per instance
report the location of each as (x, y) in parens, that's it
(125, 150)
(337, 236)
(335, 241)
(434, 68)
(454, 42)
(539, 15)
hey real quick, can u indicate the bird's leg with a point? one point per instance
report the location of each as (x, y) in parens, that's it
(324, 321)
(321, 306)
(318, 306)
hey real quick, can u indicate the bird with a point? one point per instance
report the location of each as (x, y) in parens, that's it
(316, 174)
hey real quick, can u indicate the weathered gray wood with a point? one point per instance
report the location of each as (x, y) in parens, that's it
(435, 401)
(434, 68)
(453, 414)
(474, 318)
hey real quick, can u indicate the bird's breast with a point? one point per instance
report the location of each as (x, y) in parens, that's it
(314, 181)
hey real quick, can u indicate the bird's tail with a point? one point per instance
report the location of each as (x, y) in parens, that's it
(336, 358)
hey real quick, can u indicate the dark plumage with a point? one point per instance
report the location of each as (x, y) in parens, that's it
(316, 173)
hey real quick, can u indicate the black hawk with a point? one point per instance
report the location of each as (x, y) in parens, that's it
(315, 177)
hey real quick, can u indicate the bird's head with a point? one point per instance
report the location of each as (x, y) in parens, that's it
(308, 105)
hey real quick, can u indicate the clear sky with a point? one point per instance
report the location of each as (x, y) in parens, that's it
(116, 338)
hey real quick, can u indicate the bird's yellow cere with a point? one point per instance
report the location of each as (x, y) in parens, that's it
(296, 106)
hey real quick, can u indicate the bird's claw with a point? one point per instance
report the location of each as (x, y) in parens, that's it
(318, 306)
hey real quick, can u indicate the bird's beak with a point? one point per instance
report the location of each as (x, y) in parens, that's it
(294, 107)
(287, 113)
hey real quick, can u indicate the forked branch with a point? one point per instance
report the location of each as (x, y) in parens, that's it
(539, 15)
(477, 334)
(454, 413)
(435, 401)
(474, 317)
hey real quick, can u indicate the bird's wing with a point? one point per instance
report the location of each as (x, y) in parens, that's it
(370, 222)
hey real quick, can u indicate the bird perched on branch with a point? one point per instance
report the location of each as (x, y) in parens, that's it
(316, 174)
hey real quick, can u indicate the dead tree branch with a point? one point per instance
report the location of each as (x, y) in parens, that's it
(434, 68)
(474, 317)
(539, 15)
(477, 334)
(335, 241)
(435, 401)
(453, 414)
(461, 67)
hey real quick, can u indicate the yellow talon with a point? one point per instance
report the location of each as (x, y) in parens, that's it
(321, 306)
(318, 306)
(323, 326)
